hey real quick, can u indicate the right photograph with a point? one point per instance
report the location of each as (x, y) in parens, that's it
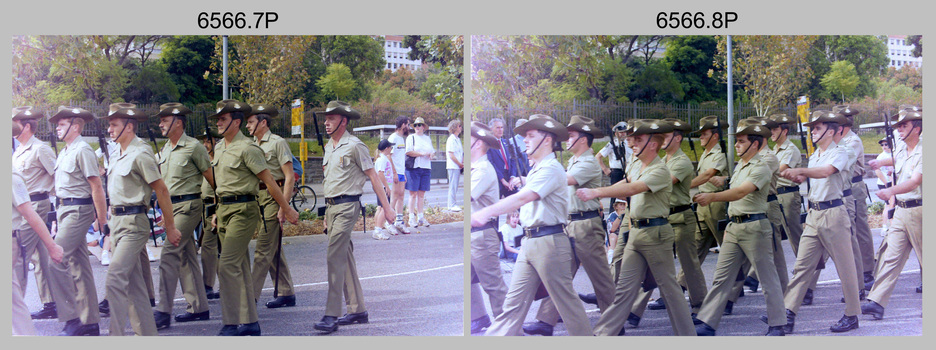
(729, 185)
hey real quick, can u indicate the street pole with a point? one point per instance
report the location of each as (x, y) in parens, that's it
(731, 123)
(224, 68)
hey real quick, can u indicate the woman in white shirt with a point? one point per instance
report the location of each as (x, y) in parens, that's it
(419, 145)
(453, 161)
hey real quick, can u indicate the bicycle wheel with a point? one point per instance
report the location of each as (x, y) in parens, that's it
(304, 198)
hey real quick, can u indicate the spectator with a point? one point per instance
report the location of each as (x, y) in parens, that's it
(419, 145)
(398, 157)
(614, 225)
(504, 164)
(885, 176)
(453, 161)
(384, 170)
(510, 231)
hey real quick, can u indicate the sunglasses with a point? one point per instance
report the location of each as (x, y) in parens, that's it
(418, 125)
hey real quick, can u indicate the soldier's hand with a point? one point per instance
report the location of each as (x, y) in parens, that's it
(514, 182)
(885, 194)
(56, 253)
(478, 220)
(214, 220)
(718, 181)
(799, 179)
(288, 214)
(790, 174)
(586, 194)
(173, 236)
(873, 164)
(389, 214)
(702, 198)
(606, 171)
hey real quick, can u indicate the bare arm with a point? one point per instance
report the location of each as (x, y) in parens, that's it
(285, 211)
(819, 172)
(915, 180)
(290, 180)
(703, 177)
(100, 202)
(209, 175)
(38, 225)
(162, 197)
(622, 189)
(451, 156)
(376, 183)
(730, 195)
(506, 205)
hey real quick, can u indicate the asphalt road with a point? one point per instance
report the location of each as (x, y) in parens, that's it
(903, 316)
(437, 196)
(413, 286)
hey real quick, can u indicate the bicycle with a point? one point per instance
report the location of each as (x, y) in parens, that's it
(303, 195)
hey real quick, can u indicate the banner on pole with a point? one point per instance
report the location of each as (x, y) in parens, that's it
(802, 112)
(297, 120)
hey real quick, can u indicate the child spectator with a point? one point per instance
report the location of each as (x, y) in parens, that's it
(385, 173)
(510, 231)
(614, 225)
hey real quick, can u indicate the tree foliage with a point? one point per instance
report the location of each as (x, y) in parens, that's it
(841, 80)
(917, 42)
(866, 52)
(266, 69)
(188, 61)
(362, 54)
(446, 54)
(772, 69)
(337, 82)
(691, 58)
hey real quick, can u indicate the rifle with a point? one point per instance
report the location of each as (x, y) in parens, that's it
(102, 143)
(723, 223)
(318, 136)
(53, 215)
(889, 134)
(515, 154)
(618, 154)
(695, 173)
(802, 133)
(149, 132)
(214, 186)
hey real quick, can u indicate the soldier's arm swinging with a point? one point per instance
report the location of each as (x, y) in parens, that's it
(209, 175)
(703, 177)
(375, 182)
(819, 172)
(622, 189)
(285, 211)
(915, 181)
(100, 204)
(162, 197)
(290, 180)
(38, 225)
(729, 195)
(504, 206)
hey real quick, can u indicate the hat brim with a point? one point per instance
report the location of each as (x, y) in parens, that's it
(595, 132)
(352, 114)
(86, 116)
(560, 130)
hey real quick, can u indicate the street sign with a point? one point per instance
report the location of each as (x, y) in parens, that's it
(297, 120)
(802, 111)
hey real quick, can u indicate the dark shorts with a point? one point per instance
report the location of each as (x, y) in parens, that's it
(401, 178)
(418, 179)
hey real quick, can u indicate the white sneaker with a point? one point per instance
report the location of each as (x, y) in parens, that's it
(423, 222)
(412, 222)
(392, 229)
(105, 258)
(380, 234)
(401, 228)
(456, 208)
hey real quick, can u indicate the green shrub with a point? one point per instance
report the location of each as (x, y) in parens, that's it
(370, 209)
(308, 215)
(876, 208)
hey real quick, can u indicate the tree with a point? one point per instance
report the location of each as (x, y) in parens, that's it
(917, 41)
(362, 54)
(772, 69)
(446, 53)
(151, 84)
(866, 52)
(842, 79)
(188, 61)
(690, 59)
(337, 81)
(657, 83)
(267, 69)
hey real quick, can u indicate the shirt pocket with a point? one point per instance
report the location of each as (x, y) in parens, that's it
(68, 164)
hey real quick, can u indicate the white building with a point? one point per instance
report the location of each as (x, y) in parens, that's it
(396, 54)
(900, 52)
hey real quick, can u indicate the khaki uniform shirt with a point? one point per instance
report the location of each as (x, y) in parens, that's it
(758, 173)
(712, 159)
(206, 190)
(182, 166)
(680, 167)
(276, 153)
(35, 161)
(484, 189)
(655, 202)
(20, 196)
(73, 167)
(236, 166)
(130, 174)
(846, 174)
(345, 162)
(822, 190)
(773, 164)
(854, 142)
(547, 179)
(787, 153)
(586, 171)
(912, 164)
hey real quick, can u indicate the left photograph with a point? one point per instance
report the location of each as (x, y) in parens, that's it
(238, 185)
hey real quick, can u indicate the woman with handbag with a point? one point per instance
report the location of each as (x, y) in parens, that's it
(419, 153)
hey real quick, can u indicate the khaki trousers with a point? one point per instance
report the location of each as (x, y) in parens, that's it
(126, 289)
(342, 270)
(861, 228)
(647, 247)
(856, 249)
(903, 235)
(709, 215)
(590, 250)
(209, 252)
(236, 224)
(823, 234)
(179, 264)
(752, 241)
(35, 251)
(72, 281)
(486, 266)
(777, 223)
(548, 260)
(792, 207)
(22, 323)
(265, 250)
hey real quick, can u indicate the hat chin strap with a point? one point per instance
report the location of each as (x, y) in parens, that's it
(569, 147)
(644, 147)
(538, 145)
(228, 126)
(126, 121)
(820, 136)
(343, 119)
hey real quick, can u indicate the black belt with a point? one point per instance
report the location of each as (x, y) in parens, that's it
(184, 197)
(208, 200)
(771, 197)
(129, 210)
(263, 186)
(858, 178)
(846, 193)
(825, 205)
(645, 223)
(75, 201)
(585, 215)
(740, 219)
(38, 197)
(881, 187)
(910, 204)
(534, 232)
(787, 189)
(679, 209)
(241, 198)
(490, 224)
(344, 199)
